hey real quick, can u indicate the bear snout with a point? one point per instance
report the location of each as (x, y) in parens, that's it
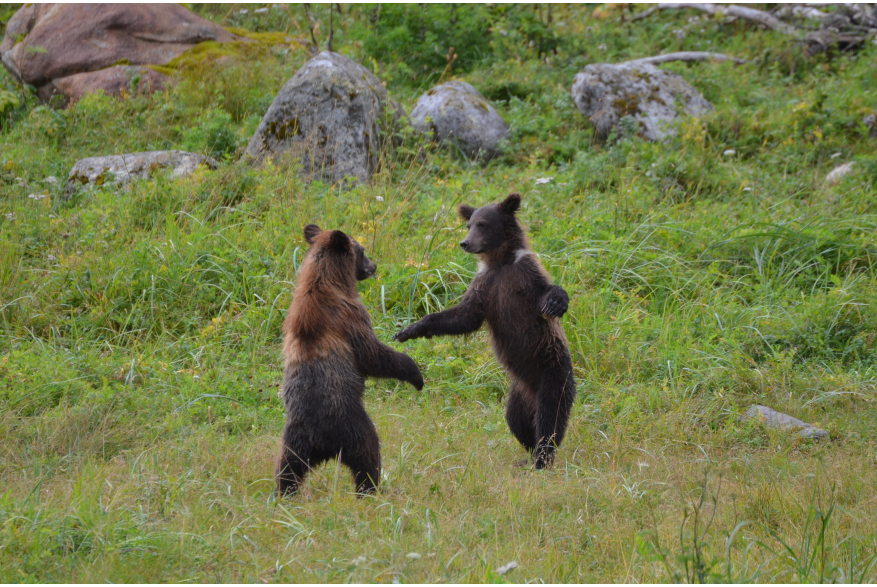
(464, 245)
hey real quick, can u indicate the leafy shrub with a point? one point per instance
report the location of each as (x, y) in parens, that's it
(213, 135)
(418, 37)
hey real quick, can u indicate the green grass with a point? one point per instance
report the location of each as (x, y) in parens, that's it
(140, 329)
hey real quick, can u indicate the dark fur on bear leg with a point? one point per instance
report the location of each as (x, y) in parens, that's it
(557, 392)
(520, 414)
(293, 463)
(363, 455)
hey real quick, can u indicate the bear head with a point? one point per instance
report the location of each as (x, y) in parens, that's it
(492, 227)
(343, 250)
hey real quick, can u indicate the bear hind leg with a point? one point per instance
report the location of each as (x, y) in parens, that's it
(293, 462)
(362, 454)
(520, 414)
(557, 392)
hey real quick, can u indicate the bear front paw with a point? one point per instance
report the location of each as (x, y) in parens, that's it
(555, 303)
(404, 334)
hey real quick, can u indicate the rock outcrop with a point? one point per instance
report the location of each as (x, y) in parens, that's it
(60, 48)
(332, 117)
(773, 419)
(121, 169)
(457, 113)
(606, 93)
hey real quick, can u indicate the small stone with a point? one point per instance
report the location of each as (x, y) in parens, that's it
(506, 568)
(773, 419)
(834, 176)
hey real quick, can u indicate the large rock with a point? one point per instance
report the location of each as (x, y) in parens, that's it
(121, 169)
(773, 419)
(112, 80)
(606, 93)
(457, 113)
(46, 44)
(332, 116)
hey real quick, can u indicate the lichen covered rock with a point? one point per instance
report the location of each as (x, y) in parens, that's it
(121, 169)
(457, 113)
(606, 93)
(333, 117)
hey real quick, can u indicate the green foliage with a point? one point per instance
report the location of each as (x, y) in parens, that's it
(418, 37)
(212, 135)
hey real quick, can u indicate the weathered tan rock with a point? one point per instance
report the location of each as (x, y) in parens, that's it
(45, 43)
(774, 419)
(121, 169)
(112, 80)
(333, 117)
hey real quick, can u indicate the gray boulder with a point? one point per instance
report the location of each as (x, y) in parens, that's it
(333, 116)
(121, 169)
(458, 113)
(773, 419)
(606, 93)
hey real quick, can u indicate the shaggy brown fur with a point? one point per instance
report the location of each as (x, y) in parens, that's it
(513, 293)
(330, 348)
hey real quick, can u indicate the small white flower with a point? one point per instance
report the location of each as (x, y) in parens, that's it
(379, 198)
(836, 155)
(51, 179)
(37, 196)
(244, 11)
(729, 153)
(747, 189)
(601, 46)
(506, 568)
(260, 11)
(51, 257)
(541, 180)
(413, 556)
(10, 216)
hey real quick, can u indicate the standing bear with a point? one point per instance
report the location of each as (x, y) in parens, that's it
(513, 293)
(330, 348)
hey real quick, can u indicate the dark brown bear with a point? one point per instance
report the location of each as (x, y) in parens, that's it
(513, 293)
(330, 348)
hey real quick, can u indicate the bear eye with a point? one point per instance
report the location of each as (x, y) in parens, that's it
(482, 223)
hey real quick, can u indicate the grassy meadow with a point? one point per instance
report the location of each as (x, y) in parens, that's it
(140, 328)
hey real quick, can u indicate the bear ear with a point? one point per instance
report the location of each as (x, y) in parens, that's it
(511, 204)
(339, 242)
(465, 211)
(311, 232)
